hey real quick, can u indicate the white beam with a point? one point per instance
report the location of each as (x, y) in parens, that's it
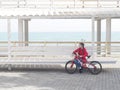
(108, 29)
(93, 34)
(108, 35)
(26, 35)
(20, 31)
(98, 36)
(9, 38)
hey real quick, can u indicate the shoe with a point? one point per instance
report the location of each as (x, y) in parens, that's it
(80, 71)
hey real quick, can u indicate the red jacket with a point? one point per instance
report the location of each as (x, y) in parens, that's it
(82, 52)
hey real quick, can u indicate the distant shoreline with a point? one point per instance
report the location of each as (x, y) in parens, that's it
(60, 36)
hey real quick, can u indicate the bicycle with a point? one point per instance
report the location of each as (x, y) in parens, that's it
(94, 67)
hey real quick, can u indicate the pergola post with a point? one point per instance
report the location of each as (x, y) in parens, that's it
(108, 35)
(9, 38)
(20, 32)
(93, 34)
(26, 34)
(98, 36)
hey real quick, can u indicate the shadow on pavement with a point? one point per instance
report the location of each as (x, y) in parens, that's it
(54, 79)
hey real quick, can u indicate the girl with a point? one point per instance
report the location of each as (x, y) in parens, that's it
(81, 55)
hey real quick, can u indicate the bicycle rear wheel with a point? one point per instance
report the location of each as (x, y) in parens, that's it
(95, 67)
(70, 67)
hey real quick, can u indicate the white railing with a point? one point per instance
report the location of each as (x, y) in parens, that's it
(36, 48)
(54, 4)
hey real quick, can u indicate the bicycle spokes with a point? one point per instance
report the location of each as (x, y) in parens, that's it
(72, 65)
(95, 67)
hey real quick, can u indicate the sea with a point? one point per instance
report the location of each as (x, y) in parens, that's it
(60, 36)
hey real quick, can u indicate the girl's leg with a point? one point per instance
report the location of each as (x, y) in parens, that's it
(77, 63)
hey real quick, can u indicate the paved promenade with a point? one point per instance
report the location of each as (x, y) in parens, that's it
(55, 78)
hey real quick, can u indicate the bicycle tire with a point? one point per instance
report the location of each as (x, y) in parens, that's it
(93, 71)
(67, 70)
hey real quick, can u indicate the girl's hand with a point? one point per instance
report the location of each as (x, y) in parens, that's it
(77, 54)
(80, 56)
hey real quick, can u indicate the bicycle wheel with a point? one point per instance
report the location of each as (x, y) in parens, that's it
(70, 67)
(95, 67)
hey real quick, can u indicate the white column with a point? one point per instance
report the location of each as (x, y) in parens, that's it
(20, 32)
(98, 36)
(108, 35)
(93, 34)
(9, 38)
(26, 35)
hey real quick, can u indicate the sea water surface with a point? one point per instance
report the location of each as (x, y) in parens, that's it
(60, 36)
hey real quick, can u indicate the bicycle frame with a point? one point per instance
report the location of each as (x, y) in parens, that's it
(84, 65)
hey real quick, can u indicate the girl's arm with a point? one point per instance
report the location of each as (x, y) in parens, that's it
(85, 53)
(75, 51)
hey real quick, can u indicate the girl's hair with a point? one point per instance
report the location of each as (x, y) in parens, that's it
(82, 44)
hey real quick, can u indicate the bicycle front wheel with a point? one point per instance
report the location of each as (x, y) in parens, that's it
(70, 67)
(95, 67)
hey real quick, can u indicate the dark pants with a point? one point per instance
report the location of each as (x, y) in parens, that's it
(77, 62)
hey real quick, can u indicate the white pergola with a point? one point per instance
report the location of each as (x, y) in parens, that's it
(28, 14)
(25, 10)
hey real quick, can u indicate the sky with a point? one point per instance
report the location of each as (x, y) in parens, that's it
(58, 25)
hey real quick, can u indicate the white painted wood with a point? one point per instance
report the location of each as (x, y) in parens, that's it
(108, 35)
(9, 38)
(53, 4)
(26, 32)
(98, 35)
(20, 31)
(93, 34)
